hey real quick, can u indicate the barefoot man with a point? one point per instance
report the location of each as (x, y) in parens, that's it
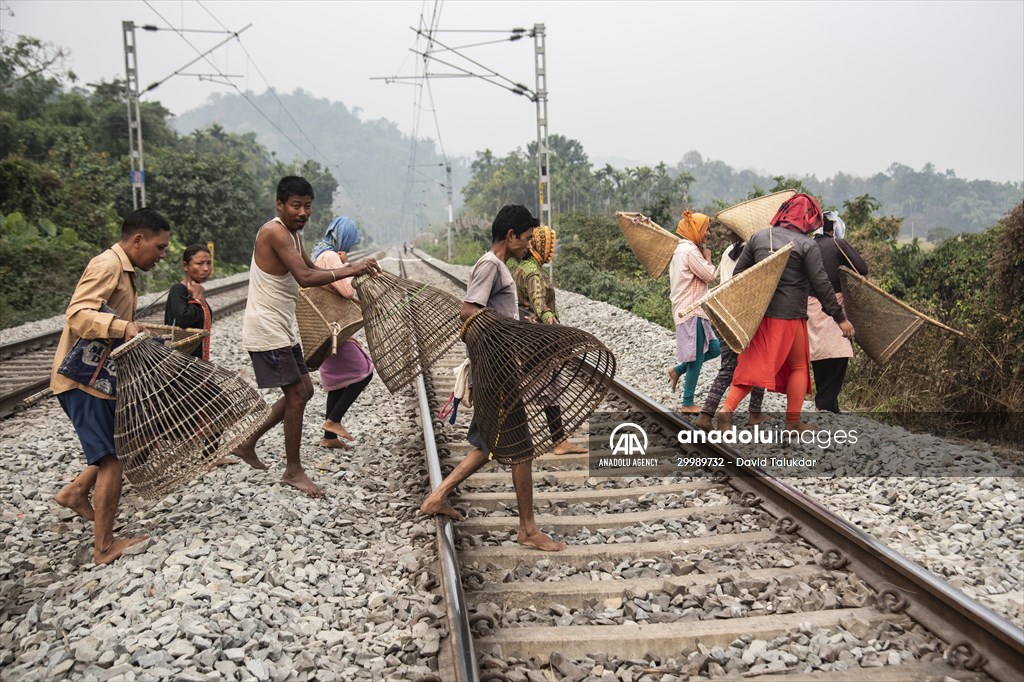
(491, 286)
(109, 279)
(280, 265)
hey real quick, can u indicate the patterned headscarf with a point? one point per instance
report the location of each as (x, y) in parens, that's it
(693, 226)
(342, 235)
(801, 213)
(542, 245)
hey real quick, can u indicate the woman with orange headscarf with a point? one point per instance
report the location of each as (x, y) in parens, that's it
(537, 304)
(689, 271)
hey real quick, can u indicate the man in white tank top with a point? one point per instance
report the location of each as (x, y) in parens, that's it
(280, 265)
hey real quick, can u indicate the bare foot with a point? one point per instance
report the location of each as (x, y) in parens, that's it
(334, 443)
(116, 549)
(247, 453)
(433, 506)
(756, 418)
(225, 462)
(704, 422)
(673, 378)
(337, 429)
(688, 409)
(539, 540)
(300, 481)
(76, 501)
(800, 426)
(567, 448)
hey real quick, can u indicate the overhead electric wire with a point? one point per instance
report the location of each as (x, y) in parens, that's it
(273, 91)
(246, 97)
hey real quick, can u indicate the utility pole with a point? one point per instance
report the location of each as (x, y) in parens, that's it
(132, 95)
(543, 174)
(448, 173)
(138, 172)
(544, 179)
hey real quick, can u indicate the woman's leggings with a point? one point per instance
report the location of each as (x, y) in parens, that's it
(721, 384)
(692, 369)
(796, 385)
(340, 400)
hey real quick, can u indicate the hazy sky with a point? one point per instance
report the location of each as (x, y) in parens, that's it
(788, 88)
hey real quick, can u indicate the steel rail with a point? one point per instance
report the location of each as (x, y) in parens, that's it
(460, 634)
(976, 637)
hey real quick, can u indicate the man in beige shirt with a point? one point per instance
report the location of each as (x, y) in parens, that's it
(109, 279)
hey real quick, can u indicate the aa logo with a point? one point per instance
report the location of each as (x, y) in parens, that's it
(631, 441)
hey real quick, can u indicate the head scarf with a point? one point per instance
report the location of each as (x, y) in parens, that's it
(801, 213)
(693, 226)
(342, 235)
(838, 226)
(542, 244)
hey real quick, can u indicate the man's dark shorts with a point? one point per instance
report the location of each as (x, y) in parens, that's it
(93, 421)
(279, 367)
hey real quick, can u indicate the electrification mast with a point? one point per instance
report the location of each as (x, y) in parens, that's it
(543, 175)
(138, 172)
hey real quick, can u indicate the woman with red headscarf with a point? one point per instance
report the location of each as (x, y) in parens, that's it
(778, 357)
(689, 272)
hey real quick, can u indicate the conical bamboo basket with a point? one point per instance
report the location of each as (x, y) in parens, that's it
(652, 244)
(176, 415)
(532, 383)
(737, 307)
(883, 323)
(752, 215)
(326, 318)
(409, 325)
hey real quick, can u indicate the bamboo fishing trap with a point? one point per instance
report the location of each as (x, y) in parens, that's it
(184, 339)
(325, 318)
(533, 384)
(409, 325)
(753, 215)
(652, 245)
(883, 323)
(176, 415)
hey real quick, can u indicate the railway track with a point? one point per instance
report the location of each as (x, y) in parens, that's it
(25, 365)
(729, 573)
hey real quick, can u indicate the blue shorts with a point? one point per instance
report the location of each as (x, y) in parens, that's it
(279, 367)
(93, 419)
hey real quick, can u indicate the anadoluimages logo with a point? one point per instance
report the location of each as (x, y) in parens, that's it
(628, 442)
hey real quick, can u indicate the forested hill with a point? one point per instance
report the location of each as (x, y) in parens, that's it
(369, 159)
(925, 198)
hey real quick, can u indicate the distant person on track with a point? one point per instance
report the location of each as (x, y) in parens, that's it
(778, 357)
(728, 365)
(109, 279)
(537, 304)
(280, 265)
(830, 350)
(689, 272)
(186, 301)
(491, 285)
(345, 374)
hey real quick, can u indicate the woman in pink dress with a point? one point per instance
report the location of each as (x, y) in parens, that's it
(345, 374)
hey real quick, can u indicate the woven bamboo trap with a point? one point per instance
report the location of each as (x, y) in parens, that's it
(326, 318)
(753, 215)
(883, 323)
(408, 325)
(177, 415)
(737, 307)
(184, 339)
(652, 244)
(532, 383)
